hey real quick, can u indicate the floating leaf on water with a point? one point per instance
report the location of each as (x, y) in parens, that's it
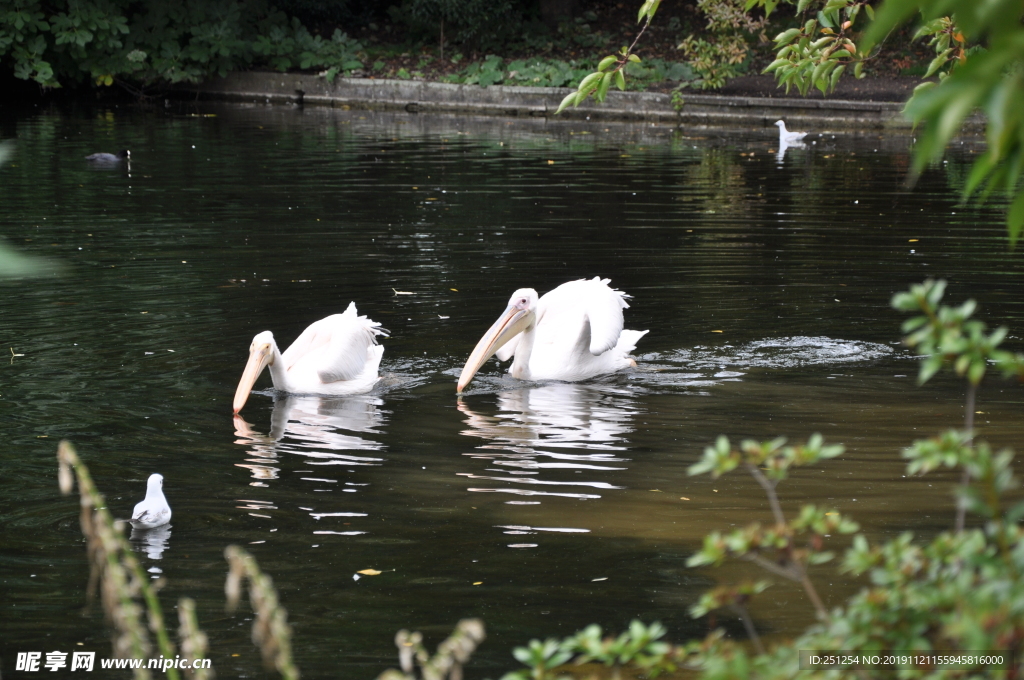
(369, 572)
(403, 292)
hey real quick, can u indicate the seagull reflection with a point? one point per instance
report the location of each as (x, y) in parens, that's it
(781, 154)
(314, 427)
(549, 429)
(153, 542)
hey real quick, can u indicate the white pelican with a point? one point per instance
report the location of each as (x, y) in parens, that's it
(572, 333)
(335, 356)
(786, 137)
(152, 511)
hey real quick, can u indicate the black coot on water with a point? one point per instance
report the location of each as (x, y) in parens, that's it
(109, 157)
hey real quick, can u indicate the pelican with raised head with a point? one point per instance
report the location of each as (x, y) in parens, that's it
(335, 356)
(572, 333)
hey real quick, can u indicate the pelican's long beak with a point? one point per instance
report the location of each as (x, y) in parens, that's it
(260, 355)
(513, 320)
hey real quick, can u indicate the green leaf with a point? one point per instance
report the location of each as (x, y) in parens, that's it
(634, 58)
(620, 80)
(816, 75)
(786, 36)
(929, 367)
(921, 87)
(607, 62)
(648, 9)
(588, 84)
(836, 74)
(938, 62)
(569, 99)
(602, 87)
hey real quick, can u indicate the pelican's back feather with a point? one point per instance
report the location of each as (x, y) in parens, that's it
(598, 303)
(340, 345)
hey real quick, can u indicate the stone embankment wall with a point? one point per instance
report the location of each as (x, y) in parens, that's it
(499, 100)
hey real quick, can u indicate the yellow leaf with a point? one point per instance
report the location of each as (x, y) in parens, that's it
(369, 572)
(477, 583)
(683, 498)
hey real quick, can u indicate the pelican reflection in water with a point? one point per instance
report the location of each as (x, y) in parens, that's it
(541, 433)
(318, 428)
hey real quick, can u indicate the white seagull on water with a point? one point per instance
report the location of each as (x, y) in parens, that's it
(786, 137)
(153, 511)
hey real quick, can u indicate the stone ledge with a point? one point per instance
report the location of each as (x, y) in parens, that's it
(502, 100)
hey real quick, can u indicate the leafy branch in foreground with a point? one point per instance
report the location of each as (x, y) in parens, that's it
(780, 548)
(947, 336)
(639, 649)
(611, 68)
(961, 592)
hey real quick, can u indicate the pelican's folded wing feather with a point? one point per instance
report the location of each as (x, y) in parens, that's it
(351, 343)
(603, 309)
(316, 336)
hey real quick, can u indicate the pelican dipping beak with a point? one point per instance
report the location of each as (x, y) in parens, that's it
(514, 320)
(260, 356)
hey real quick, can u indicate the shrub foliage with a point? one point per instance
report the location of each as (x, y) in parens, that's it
(158, 41)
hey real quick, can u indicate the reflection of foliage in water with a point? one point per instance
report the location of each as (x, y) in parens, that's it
(12, 263)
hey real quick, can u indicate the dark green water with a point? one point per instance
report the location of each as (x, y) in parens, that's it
(764, 284)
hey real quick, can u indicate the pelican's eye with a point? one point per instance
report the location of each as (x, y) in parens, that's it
(523, 303)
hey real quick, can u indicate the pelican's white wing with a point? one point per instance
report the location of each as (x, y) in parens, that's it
(338, 346)
(599, 305)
